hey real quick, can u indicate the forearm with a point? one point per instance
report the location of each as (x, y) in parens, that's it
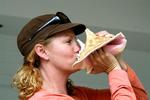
(138, 88)
(134, 80)
(120, 86)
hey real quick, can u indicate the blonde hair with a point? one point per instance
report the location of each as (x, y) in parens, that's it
(28, 79)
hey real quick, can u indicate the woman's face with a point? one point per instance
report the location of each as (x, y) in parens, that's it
(62, 50)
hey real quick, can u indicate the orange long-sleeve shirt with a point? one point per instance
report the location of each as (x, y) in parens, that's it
(123, 86)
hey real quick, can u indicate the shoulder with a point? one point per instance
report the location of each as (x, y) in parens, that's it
(89, 91)
(45, 95)
(83, 88)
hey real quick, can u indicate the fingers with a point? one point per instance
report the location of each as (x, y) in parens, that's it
(104, 60)
(104, 33)
(96, 61)
(97, 57)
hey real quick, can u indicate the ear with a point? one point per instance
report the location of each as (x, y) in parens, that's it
(41, 51)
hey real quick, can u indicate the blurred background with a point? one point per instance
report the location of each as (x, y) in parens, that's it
(132, 17)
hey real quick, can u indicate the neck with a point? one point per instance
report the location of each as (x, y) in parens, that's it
(54, 80)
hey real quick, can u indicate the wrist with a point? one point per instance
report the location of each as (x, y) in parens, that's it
(114, 66)
(121, 62)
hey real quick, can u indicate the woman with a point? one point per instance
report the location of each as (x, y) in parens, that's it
(48, 44)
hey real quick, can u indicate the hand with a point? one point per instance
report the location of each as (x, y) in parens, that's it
(116, 47)
(102, 61)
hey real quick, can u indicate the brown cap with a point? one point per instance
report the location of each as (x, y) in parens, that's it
(29, 36)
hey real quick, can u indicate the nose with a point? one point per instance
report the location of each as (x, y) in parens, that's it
(77, 47)
(80, 44)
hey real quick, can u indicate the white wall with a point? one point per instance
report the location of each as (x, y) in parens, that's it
(129, 15)
(9, 61)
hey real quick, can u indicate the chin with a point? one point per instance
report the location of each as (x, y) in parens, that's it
(76, 70)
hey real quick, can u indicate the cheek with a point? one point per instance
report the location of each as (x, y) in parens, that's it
(66, 52)
(62, 57)
(62, 53)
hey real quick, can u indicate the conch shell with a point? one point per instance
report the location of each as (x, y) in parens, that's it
(93, 42)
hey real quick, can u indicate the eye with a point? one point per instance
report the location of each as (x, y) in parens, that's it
(69, 41)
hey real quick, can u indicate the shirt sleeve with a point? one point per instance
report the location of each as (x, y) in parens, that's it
(120, 89)
(120, 86)
(104, 94)
(45, 95)
(138, 87)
